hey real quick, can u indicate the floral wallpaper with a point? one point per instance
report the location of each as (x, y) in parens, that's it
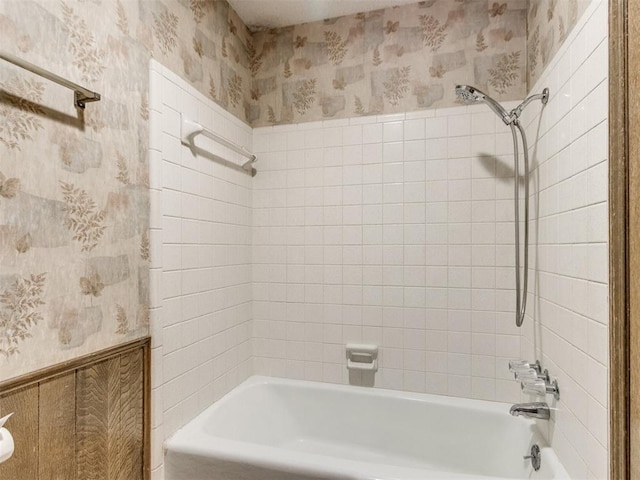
(548, 24)
(73, 212)
(393, 60)
(204, 41)
(74, 200)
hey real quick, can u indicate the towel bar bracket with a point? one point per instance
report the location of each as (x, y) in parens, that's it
(80, 99)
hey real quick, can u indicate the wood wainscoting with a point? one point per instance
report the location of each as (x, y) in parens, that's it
(87, 419)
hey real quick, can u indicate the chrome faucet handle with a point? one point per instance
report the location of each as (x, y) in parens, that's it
(541, 387)
(531, 374)
(534, 387)
(518, 365)
(525, 374)
(515, 365)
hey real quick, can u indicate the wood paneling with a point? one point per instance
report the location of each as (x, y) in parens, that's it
(24, 405)
(71, 365)
(624, 238)
(84, 423)
(57, 438)
(92, 413)
(132, 418)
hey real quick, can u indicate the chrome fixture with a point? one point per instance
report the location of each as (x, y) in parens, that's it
(472, 95)
(534, 455)
(541, 386)
(531, 374)
(81, 95)
(534, 381)
(531, 410)
(517, 365)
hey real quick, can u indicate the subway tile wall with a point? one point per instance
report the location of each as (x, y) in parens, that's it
(397, 231)
(200, 259)
(569, 333)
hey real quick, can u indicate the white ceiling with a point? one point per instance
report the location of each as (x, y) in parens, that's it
(261, 14)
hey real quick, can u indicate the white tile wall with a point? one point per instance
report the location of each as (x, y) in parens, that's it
(570, 307)
(392, 230)
(398, 231)
(200, 259)
(395, 230)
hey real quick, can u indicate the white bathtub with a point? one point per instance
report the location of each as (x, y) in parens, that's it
(275, 429)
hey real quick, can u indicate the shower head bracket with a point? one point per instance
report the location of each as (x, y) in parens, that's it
(545, 96)
(516, 112)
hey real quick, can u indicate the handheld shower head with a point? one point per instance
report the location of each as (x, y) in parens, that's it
(469, 94)
(472, 95)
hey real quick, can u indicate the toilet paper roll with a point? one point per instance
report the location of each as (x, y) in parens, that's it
(6, 445)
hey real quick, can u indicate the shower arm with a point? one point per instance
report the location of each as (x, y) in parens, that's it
(516, 112)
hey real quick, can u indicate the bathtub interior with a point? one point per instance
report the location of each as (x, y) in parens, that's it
(356, 426)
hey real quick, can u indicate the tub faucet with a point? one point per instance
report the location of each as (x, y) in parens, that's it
(531, 410)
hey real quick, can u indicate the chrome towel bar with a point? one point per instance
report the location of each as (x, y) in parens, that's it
(81, 95)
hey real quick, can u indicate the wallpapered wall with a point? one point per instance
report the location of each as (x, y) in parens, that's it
(385, 61)
(74, 201)
(405, 58)
(549, 22)
(74, 186)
